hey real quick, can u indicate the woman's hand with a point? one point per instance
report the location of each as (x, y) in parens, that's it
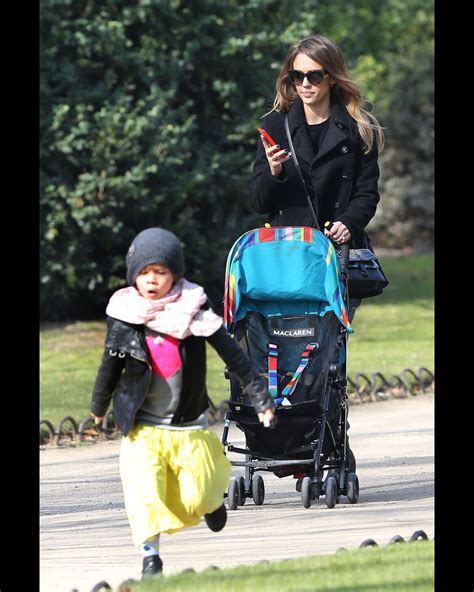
(97, 420)
(275, 157)
(339, 233)
(268, 417)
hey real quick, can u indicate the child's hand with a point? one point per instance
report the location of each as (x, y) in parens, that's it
(268, 418)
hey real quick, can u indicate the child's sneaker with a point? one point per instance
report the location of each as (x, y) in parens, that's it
(152, 565)
(216, 520)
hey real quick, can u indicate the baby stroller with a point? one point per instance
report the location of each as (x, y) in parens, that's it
(284, 305)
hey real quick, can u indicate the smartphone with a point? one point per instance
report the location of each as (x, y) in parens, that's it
(267, 136)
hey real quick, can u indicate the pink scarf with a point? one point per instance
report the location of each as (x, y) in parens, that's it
(177, 314)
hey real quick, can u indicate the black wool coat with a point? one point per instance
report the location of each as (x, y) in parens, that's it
(342, 181)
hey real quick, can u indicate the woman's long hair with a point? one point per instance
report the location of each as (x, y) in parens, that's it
(325, 52)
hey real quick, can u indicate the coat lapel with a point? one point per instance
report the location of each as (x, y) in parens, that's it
(338, 132)
(333, 137)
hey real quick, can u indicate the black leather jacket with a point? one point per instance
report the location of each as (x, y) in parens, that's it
(125, 374)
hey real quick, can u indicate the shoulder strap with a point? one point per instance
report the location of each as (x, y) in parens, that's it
(300, 174)
(290, 387)
(273, 372)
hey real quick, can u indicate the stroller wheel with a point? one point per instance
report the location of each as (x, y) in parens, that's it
(331, 491)
(242, 496)
(258, 490)
(233, 494)
(352, 488)
(306, 494)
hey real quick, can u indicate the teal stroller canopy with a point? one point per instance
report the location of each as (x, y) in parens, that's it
(283, 271)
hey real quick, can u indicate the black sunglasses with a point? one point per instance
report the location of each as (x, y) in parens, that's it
(314, 77)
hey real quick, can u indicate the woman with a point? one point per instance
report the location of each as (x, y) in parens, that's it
(336, 142)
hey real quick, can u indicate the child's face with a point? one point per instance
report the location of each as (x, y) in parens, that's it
(154, 281)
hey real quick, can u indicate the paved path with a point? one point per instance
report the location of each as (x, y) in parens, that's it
(85, 536)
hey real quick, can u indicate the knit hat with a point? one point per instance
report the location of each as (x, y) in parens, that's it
(154, 245)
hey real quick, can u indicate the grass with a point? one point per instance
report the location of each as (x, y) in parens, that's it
(69, 358)
(399, 567)
(392, 332)
(395, 330)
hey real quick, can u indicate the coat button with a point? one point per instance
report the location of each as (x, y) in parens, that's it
(339, 125)
(344, 149)
(133, 343)
(280, 212)
(345, 177)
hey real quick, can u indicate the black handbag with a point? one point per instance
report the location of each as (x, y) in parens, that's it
(365, 274)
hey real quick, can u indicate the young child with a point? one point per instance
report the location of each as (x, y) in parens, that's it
(173, 468)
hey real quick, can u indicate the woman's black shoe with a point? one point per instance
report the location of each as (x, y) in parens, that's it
(216, 520)
(152, 565)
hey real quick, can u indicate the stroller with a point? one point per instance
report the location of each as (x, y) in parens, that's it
(284, 304)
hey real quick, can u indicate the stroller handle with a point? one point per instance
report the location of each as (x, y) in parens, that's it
(344, 261)
(343, 254)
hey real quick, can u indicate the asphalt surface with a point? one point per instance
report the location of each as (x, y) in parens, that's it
(85, 537)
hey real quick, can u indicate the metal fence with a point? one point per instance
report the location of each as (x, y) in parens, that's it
(360, 389)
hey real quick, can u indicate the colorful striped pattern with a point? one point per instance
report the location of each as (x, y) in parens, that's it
(290, 387)
(272, 370)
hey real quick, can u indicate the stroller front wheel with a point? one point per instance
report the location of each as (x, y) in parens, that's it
(242, 496)
(306, 493)
(233, 494)
(258, 490)
(331, 491)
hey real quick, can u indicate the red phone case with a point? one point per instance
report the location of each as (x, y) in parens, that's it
(267, 136)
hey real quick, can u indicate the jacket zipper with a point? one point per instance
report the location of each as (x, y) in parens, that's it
(147, 387)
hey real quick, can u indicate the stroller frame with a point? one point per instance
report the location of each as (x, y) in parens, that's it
(324, 450)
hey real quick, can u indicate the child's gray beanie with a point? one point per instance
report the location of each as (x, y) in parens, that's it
(154, 245)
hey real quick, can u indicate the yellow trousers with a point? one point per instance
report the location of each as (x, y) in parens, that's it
(171, 478)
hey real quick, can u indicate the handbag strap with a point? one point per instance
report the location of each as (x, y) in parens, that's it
(300, 174)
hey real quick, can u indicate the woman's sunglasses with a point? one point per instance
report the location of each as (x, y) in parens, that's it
(314, 77)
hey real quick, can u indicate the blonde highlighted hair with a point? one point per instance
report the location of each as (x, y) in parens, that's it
(325, 52)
